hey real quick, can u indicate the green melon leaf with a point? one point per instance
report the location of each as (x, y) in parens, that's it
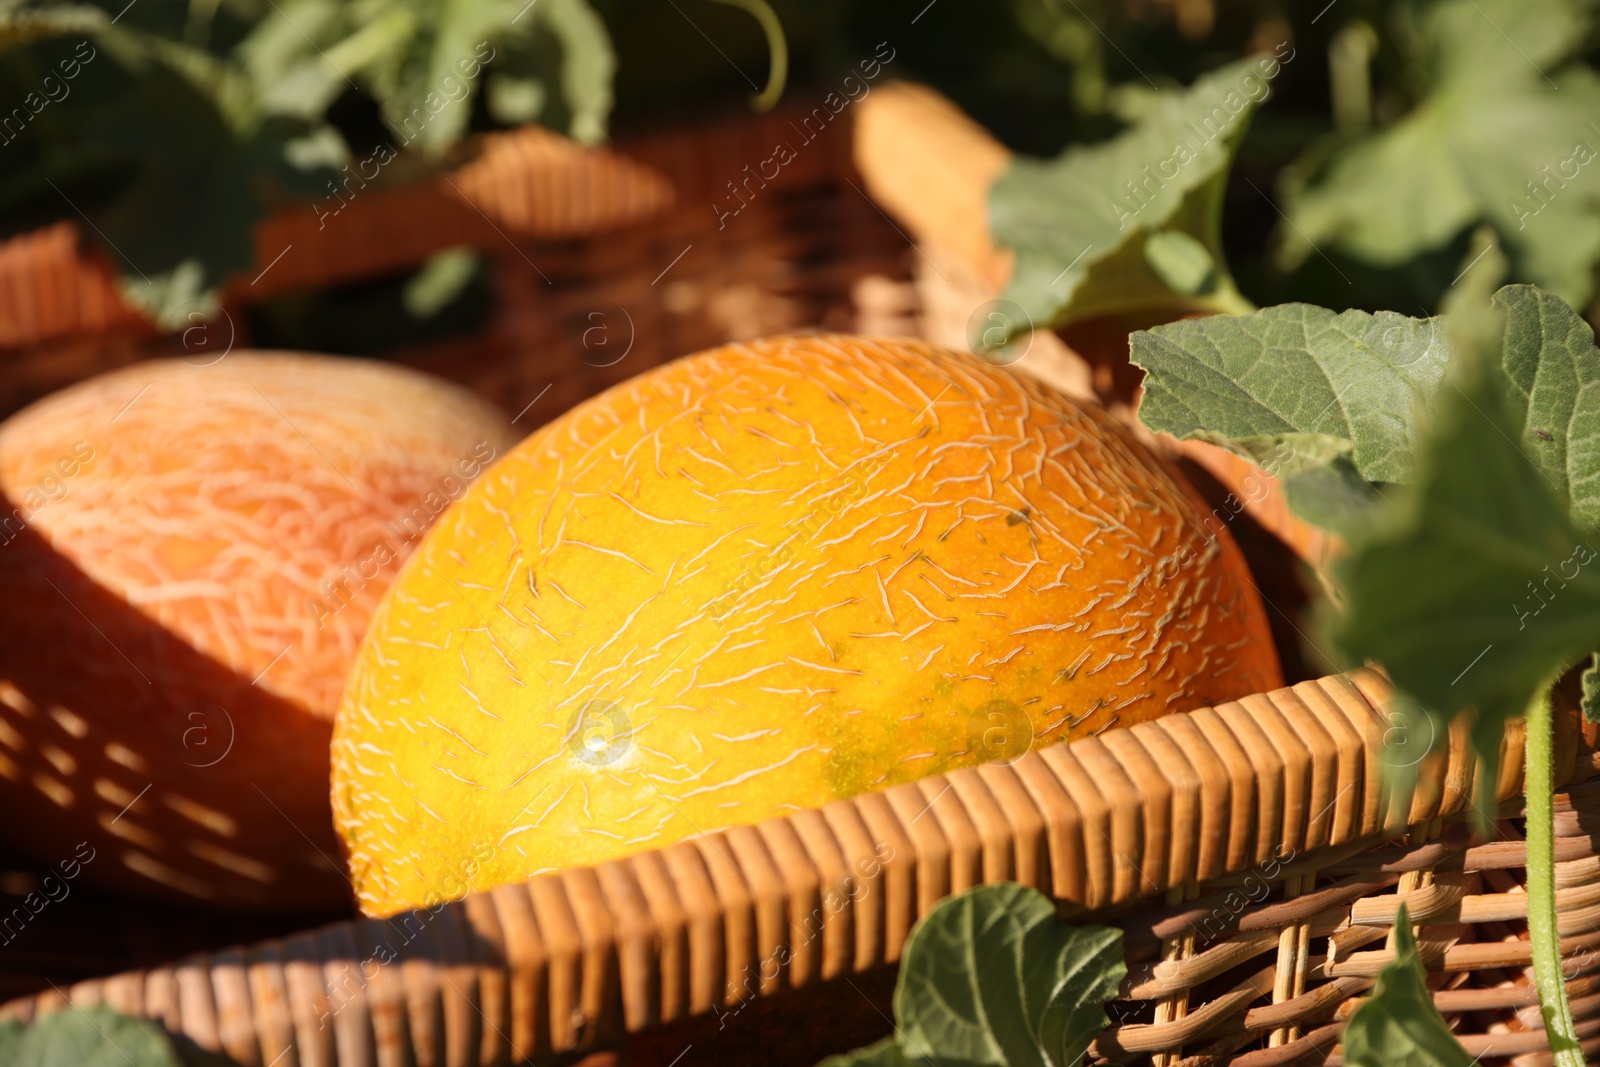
(1082, 225)
(587, 66)
(1333, 496)
(1549, 355)
(1295, 384)
(186, 223)
(1295, 388)
(1591, 689)
(1502, 98)
(515, 100)
(425, 63)
(885, 1053)
(993, 977)
(11, 1034)
(189, 188)
(1473, 586)
(1398, 1026)
(441, 279)
(305, 53)
(1183, 263)
(241, 128)
(94, 1036)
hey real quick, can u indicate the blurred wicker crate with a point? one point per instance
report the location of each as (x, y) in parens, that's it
(605, 262)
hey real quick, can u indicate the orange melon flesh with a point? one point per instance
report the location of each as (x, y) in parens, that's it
(189, 557)
(759, 579)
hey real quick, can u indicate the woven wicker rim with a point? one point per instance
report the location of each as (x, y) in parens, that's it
(1207, 807)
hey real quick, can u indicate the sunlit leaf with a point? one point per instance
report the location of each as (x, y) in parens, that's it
(1472, 585)
(993, 977)
(885, 1053)
(1504, 133)
(93, 1036)
(1081, 224)
(1296, 387)
(1398, 1026)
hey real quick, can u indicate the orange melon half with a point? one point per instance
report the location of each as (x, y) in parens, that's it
(759, 579)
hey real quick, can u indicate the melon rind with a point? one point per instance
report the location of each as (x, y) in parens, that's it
(759, 579)
(190, 556)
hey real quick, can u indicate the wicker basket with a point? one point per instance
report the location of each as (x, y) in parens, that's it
(594, 252)
(1250, 852)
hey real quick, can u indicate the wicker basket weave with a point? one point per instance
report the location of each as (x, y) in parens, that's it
(1250, 852)
(594, 252)
(1263, 824)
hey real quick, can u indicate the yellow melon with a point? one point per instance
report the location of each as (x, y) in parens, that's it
(759, 579)
(189, 557)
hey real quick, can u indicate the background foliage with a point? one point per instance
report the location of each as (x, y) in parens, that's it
(1394, 131)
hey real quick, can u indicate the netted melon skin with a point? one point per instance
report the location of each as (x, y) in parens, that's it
(759, 579)
(189, 556)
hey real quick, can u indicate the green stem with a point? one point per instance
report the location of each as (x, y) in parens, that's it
(1543, 934)
(777, 48)
(1227, 300)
